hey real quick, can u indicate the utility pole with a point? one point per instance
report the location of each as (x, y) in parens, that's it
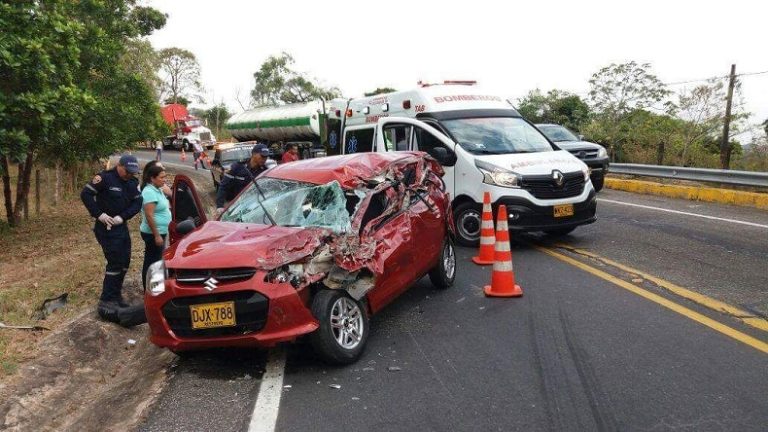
(725, 144)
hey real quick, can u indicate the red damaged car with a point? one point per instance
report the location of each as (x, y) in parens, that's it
(309, 248)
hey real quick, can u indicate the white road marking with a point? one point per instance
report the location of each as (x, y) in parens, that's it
(264, 417)
(685, 213)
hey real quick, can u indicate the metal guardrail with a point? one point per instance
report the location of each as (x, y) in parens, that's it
(743, 178)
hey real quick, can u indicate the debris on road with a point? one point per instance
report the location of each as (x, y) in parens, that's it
(394, 368)
(334, 386)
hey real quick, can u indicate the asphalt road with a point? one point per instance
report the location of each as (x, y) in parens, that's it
(579, 351)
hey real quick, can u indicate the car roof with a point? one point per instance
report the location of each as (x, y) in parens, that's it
(348, 170)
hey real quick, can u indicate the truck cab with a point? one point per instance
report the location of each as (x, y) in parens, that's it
(484, 145)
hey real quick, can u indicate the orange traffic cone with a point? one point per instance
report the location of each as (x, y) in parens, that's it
(183, 155)
(503, 277)
(487, 236)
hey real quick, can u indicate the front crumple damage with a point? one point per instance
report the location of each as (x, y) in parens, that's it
(351, 253)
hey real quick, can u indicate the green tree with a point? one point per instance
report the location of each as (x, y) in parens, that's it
(216, 117)
(277, 83)
(62, 79)
(617, 90)
(142, 60)
(180, 75)
(557, 106)
(380, 90)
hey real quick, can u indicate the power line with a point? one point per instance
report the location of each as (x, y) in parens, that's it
(714, 78)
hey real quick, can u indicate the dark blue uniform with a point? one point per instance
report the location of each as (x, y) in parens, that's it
(110, 194)
(235, 180)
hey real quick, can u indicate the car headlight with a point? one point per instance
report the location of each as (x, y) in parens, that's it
(602, 152)
(498, 176)
(156, 278)
(586, 171)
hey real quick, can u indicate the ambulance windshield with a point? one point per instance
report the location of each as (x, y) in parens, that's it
(497, 135)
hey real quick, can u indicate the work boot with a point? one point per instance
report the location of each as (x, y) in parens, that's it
(108, 311)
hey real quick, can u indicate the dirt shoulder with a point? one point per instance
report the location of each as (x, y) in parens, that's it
(83, 374)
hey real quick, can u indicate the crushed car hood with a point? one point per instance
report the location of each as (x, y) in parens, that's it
(229, 244)
(535, 163)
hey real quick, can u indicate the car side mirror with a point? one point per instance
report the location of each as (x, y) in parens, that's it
(442, 155)
(185, 227)
(581, 137)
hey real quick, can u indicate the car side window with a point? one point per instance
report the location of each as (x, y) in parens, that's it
(359, 140)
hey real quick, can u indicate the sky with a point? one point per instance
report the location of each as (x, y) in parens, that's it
(509, 47)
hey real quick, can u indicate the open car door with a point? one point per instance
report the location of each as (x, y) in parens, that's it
(185, 204)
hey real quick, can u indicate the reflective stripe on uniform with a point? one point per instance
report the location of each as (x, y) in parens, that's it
(228, 175)
(238, 178)
(502, 266)
(117, 273)
(91, 188)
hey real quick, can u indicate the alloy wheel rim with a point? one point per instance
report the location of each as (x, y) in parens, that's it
(347, 323)
(449, 260)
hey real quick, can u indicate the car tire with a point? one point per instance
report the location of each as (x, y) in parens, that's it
(186, 146)
(559, 232)
(340, 317)
(443, 274)
(468, 218)
(598, 182)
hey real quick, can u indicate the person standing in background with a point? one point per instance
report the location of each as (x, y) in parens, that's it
(158, 150)
(198, 152)
(155, 216)
(291, 153)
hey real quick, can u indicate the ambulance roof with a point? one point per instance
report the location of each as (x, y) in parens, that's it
(425, 99)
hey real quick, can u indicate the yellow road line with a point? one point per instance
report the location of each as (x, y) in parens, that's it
(708, 302)
(695, 316)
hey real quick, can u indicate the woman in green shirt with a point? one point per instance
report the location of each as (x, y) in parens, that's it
(155, 216)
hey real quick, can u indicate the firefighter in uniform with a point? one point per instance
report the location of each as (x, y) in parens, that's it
(113, 197)
(239, 176)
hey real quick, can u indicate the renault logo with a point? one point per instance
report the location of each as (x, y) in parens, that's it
(557, 176)
(211, 284)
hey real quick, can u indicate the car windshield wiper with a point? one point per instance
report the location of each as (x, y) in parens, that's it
(258, 188)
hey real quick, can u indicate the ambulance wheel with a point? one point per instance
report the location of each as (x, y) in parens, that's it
(468, 217)
(343, 330)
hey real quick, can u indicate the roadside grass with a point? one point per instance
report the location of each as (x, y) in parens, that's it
(45, 257)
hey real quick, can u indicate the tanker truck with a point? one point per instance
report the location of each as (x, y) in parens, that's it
(313, 126)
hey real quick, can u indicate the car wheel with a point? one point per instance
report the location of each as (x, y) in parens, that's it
(467, 217)
(343, 328)
(185, 145)
(598, 182)
(560, 231)
(443, 274)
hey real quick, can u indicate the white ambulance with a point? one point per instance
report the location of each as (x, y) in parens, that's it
(484, 145)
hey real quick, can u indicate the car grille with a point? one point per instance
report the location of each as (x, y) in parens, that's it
(544, 186)
(198, 276)
(251, 310)
(205, 136)
(584, 154)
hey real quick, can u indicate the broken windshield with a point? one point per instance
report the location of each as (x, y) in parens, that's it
(292, 203)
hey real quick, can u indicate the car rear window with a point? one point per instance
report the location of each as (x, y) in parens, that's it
(236, 154)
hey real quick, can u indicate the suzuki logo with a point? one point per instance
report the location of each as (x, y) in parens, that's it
(211, 284)
(557, 176)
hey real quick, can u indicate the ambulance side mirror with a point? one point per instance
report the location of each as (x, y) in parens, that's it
(442, 155)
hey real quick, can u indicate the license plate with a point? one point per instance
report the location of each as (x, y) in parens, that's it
(212, 315)
(563, 210)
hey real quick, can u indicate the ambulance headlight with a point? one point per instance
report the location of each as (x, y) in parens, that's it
(497, 176)
(156, 278)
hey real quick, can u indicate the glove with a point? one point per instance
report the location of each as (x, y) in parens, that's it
(117, 220)
(106, 220)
